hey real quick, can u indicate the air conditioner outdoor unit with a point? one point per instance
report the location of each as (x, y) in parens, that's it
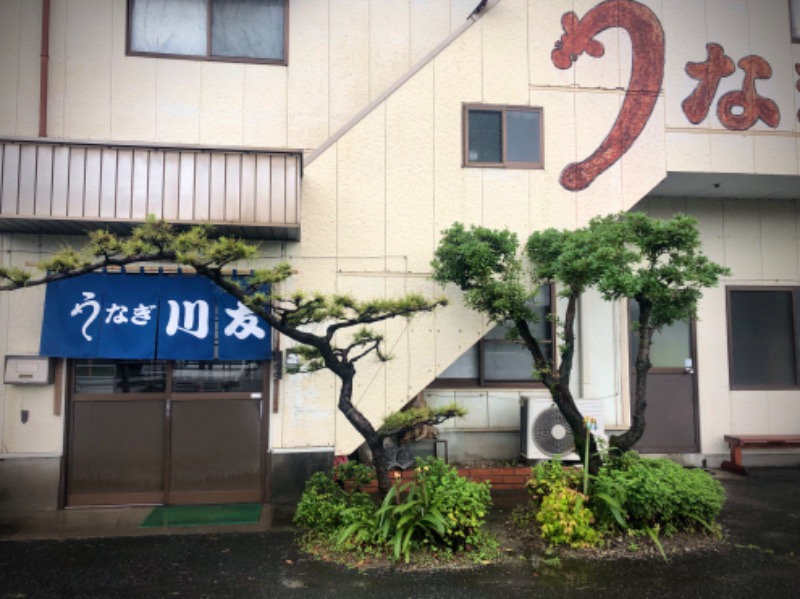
(544, 432)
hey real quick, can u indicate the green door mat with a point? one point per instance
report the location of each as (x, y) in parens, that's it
(203, 515)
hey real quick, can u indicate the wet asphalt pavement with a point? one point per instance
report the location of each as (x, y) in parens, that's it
(761, 558)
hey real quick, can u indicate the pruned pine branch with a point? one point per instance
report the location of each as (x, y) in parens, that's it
(153, 241)
(368, 348)
(16, 277)
(405, 421)
(309, 359)
(371, 312)
(365, 341)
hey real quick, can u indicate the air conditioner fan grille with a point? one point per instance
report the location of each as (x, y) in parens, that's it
(551, 433)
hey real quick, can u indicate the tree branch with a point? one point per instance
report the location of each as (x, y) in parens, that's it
(433, 421)
(568, 353)
(540, 361)
(375, 345)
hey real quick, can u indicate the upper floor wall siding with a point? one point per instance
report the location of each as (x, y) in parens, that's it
(342, 54)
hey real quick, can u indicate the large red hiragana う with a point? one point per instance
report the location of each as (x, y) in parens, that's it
(647, 74)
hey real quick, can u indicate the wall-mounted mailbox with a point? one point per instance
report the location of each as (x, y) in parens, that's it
(28, 370)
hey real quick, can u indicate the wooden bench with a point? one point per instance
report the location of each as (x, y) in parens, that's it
(739, 442)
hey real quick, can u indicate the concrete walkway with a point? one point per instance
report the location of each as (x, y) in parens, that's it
(87, 523)
(761, 558)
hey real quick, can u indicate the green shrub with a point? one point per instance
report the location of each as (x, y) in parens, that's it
(658, 493)
(354, 475)
(462, 502)
(325, 507)
(551, 475)
(402, 524)
(564, 518)
(438, 511)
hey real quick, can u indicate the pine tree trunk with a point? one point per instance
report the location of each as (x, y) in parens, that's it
(562, 396)
(365, 429)
(379, 460)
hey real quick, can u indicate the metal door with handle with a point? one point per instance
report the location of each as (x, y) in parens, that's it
(671, 415)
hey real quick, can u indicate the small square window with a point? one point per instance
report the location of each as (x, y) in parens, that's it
(503, 136)
(233, 30)
(794, 20)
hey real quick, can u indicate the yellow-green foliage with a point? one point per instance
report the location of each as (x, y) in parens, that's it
(564, 519)
(417, 416)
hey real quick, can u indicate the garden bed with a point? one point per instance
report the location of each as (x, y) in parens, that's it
(519, 535)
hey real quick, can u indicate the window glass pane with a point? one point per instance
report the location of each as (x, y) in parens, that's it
(169, 26)
(522, 129)
(671, 345)
(762, 338)
(543, 307)
(485, 136)
(116, 376)
(501, 331)
(466, 367)
(191, 376)
(247, 28)
(794, 15)
(541, 328)
(507, 362)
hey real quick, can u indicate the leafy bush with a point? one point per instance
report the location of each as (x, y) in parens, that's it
(400, 525)
(438, 511)
(354, 475)
(326, 507)
(658, 493)
(550, 476)
(564, 518)
(462, 502)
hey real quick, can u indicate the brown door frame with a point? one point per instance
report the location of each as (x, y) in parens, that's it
(657, 371)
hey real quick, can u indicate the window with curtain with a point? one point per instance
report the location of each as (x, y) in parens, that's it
(502, 136)
(250, 30)
(497, 360)
(763, 337)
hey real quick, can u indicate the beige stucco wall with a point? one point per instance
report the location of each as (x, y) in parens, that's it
(19, 66)
(342, 53)
(375, 202)
(20, 329)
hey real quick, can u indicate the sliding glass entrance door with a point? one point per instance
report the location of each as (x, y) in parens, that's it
(165, 432)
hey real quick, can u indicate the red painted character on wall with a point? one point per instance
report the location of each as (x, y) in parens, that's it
(647, 74)
(737, 110)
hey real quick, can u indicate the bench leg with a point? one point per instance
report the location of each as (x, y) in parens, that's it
(735, 463)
